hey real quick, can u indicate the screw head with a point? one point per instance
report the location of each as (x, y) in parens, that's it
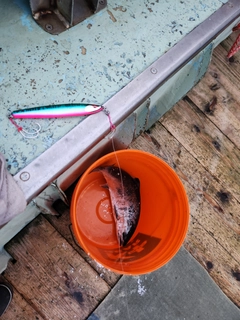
(25, 176)
(49, 27)
(153, 70)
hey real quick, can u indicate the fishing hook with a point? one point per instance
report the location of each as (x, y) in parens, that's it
(56, 111)
(107, 113)
(26, 134)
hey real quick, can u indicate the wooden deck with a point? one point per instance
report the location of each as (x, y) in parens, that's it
(200, 138)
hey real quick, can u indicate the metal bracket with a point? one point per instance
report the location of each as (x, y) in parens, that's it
(47, 197)
(56, 16)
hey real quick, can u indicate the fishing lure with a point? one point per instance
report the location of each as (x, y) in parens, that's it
(57, 111)
(236, 46)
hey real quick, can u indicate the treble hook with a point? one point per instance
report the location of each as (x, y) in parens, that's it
(31, 135)
(26, 134)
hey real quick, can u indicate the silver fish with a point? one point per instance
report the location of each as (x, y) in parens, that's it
(125, 199)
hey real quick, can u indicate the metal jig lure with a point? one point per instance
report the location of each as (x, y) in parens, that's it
(57, 111)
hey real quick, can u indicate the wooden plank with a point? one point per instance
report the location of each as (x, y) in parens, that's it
(222, 217)
(161, 143)
(206, 143)
(229, 68)
(218, 243)
(63, 225)
(219, 105)
(221, 267)
(19, 309)
(51, 275)
(229, 82)
(217, 94)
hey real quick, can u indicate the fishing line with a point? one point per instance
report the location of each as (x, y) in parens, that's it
(113, 130)
(119, 249)
(26, 134)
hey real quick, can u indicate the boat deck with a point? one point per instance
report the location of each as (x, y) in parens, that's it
(200, 139)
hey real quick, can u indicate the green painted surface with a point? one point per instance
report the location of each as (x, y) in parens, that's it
(178, 86)
(88, 63)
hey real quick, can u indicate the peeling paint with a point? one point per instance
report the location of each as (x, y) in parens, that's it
(141, 289)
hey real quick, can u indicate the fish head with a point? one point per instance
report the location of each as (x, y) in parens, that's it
(112, 176)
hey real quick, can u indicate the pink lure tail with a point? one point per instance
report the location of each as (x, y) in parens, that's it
(236, 46)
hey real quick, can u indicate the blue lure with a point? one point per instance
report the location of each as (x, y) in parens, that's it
(57, 111)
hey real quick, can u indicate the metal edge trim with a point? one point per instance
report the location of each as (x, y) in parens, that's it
(65, 152)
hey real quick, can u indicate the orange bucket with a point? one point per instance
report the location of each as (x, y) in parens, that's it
(163, 221)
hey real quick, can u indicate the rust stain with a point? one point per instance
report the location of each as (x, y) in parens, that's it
(111, 16)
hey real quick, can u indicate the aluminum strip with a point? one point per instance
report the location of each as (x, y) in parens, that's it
(53, 162)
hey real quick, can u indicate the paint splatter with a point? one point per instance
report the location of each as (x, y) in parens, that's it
(141, 288)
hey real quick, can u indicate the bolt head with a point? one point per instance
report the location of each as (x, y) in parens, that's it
(49, 27)
(25, 176)
(153, 70)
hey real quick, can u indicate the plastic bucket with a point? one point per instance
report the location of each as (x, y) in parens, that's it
(163, 221)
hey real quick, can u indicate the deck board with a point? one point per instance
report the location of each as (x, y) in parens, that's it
(211, 223)
(200, 139)
(217, 95)
(206, 143)
(51, 275)
(60, 224)
(19, 309)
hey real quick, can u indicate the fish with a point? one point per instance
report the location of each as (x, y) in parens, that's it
(124, 191)
(56, 111)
